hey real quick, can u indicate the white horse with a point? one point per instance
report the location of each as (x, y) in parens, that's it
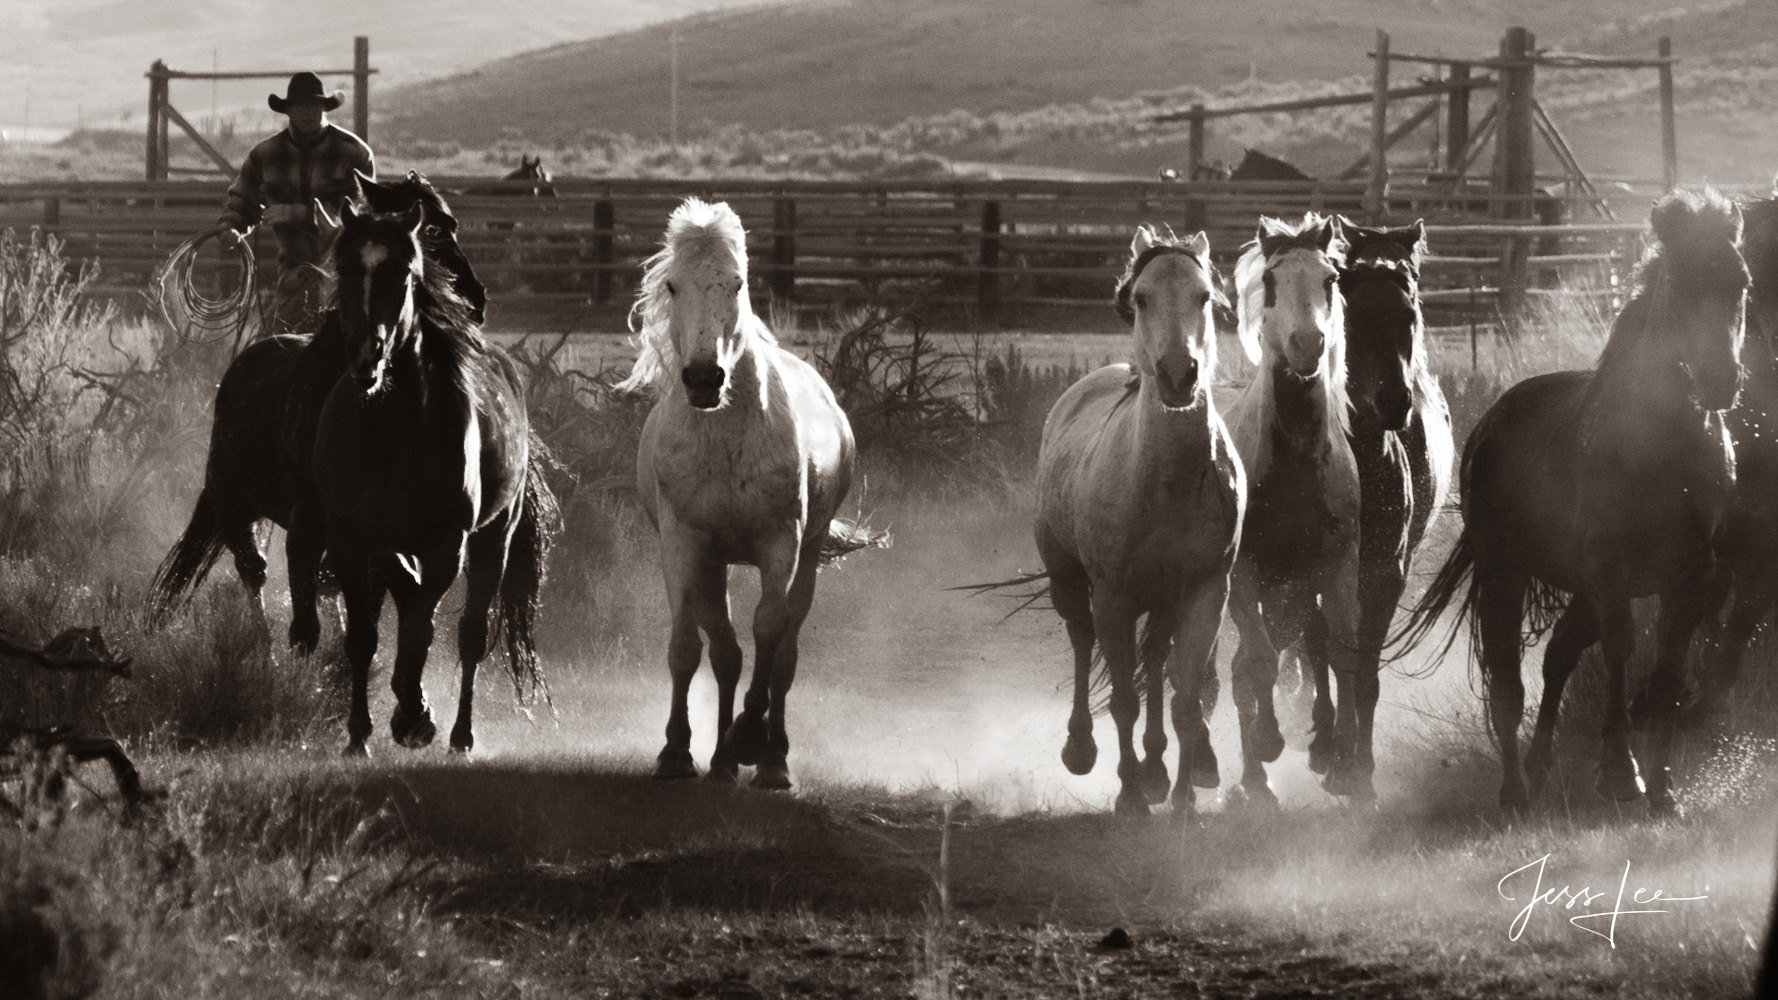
(1140, 497)
(1297, 575)
(745, 458)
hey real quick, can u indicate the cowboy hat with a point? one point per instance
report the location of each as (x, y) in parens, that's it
(305, 87)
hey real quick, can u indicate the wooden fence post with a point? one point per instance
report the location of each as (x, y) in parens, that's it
(1196, 212)
(988, 279)
(52, 213)
(1669, 134)
(1518, 165)
(151, 160)
(361, 86)
(783, 284)
(1376, 196)
(604, 242)
(1457, 117)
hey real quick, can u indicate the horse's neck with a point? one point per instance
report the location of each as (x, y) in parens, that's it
(1163, 435)
(1299, 410)
(1636, 390)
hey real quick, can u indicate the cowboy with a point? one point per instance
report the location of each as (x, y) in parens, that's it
(284, 182)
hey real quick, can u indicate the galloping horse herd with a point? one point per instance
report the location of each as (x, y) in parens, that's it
(392, 442)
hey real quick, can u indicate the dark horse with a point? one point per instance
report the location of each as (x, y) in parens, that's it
(263, 436)
(1400, 433)
(1606, 486)
(423, 468)
(1752, 549)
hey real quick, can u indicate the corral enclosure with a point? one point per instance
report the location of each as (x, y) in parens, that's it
(994, 250)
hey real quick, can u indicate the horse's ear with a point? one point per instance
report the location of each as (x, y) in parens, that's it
(1199, 245)
(1416, 234)
(1144, 240)
(365, 181)
(1329, 231)
(413, 218)
(348, 213)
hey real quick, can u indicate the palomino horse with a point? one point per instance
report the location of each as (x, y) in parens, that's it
(1608, 485)
(1140, 496)
(422, 464)
(1297, 576)
(1400, 434)
(263, 437)
(1752, 549)
(745, 459)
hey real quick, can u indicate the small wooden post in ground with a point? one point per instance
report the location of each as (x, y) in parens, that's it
(784, 250)
(361, 87)
(1517, 177)
(988, 260)
(604, 224)
(1669, 134)
(1376, 197)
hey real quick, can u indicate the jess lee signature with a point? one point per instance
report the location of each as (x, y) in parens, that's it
(1584, 898)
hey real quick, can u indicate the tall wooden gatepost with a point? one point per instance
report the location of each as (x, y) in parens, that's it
(1515, 164)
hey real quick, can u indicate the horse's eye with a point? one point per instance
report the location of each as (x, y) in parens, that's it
(671, 290)
(1203, 299)
(1141, 300)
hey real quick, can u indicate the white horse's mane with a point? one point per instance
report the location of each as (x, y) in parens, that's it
(695, 227)
(1252, 413)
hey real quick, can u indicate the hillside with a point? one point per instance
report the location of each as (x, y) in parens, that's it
(829, 63)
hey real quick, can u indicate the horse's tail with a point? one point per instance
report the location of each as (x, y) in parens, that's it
(188, 563)
(1457, 574)
(521, 587)
(846, 537)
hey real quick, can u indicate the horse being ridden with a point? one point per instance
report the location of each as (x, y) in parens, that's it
(1297, 575)
(263, 435)
(745, 459)
(1400, 433)
(1140, 496)
(1751, 551)
(1607, 485)
(422, 464)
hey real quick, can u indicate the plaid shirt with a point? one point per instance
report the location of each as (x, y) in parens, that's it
(282, 177)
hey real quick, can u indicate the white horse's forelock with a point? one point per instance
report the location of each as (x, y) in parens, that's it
(696, 227)
(1250, 418)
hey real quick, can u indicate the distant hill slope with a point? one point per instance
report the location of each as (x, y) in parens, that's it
(829, 63)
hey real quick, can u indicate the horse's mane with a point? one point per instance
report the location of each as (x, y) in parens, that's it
(1692, 231)
(694, 226)
(1251, 416)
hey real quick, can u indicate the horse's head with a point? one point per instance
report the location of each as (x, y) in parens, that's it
(440, 231)
(1166, 295)
(1697, 281)
(1289, 306)
(702, 272)
(379, 262)
(1385, 342)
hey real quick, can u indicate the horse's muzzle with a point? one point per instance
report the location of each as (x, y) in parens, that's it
(703, 384)
(1393, 406)
(1178, 389)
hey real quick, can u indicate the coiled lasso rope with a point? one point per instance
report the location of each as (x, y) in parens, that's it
(196, 317)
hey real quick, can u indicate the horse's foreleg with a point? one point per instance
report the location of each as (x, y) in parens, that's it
(1115, 622)
(362, 594)
(1357, 678)
(1577, 629)
(1158, 641)
(303, 546)
(712, 612)
(681, 554)
(1071, 593)
(1619, 777)
(416, 602)
(1321, 712)
(1382, 578)
(1255, 668)
(486, 564)
(1682, 608)
(1192, 660)
(1755, 590)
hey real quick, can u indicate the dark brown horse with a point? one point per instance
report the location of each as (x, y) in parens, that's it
(1606, 486)
(1752, 549)
(422, 467)
(1400, 433)
(263, 434)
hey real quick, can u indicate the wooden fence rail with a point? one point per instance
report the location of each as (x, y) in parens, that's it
(990, 246)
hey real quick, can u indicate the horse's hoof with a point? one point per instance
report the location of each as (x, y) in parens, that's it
(305, 636)
(1321, 753)
(1513, 803)
(1258, 796)
(1206, 775)
(674, 763)
(747, 740)
(772, 776)
(1350, 782)
(462, 740)
(1131, 802)
(412, 732)
(356, 750)
(1661, 805)
(1079, 755)
(1619, 784)
(1267, 743)
(1155, 781)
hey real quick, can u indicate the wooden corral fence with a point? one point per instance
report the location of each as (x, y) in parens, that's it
(990, 246)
